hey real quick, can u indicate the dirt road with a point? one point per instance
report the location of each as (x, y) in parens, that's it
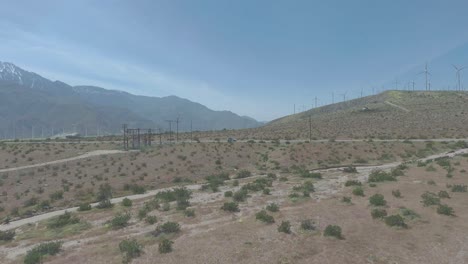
(84, 156)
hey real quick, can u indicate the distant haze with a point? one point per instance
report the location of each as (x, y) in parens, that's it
(255, 58)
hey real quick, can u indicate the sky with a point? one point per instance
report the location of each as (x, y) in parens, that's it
(253, 57)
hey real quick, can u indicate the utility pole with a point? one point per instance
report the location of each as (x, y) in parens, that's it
(170, 129)
(177, 129)
(315, 101)
(191, 131)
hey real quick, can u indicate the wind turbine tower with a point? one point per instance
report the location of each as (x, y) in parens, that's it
(426, 73)
(458, 70)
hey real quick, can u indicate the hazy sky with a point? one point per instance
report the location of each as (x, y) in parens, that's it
(255, 58)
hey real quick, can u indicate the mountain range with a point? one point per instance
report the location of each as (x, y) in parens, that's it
(33, 106)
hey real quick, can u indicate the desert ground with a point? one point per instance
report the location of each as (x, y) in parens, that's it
(262, 185)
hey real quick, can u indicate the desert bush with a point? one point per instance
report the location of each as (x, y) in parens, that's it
(230, 207)
(62, 220)
(84, 207)
(174, 195)
(395, 220)
(228, 194)
(127, 202)
(445, 210)
(134, 188)
(167, 228)
(240, 196)
(36, 254)
(7, 235)
(243, 174)
(333, 231)
(189, 212)
(130, 249)
(396, 193)
(443, 194)
(378, 213)
(266, 191)
(264, 217)
(272, 176)
(358, 191)
(58, 195)
(142, 213)
(120, 220)
(285, 227)
(350, 169)
(352, 183)
(459, 188)
(103, 204)
(377, 200)
(307, 225)
(380, 176)
(273, 207)
(104, 192)
(151, 219)
(165, 246)
(346, 199)
(430, 199)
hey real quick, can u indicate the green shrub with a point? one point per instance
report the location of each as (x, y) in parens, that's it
(350, 169)
(352, 183)
(243, 174)
(358, 191)
(443, 194)
(36, 254)
(395, 220)
(377, 200)
(63, 220)
(396, 193)
(151, 219)
(273, 207)
(346, 199)
(272, 176)
(120, 220)
(58, 195)
(142, 213)
(459, 188)
(307, 225)
(228, 194)
(166, 207)
(240, 196)
(167, 228)
(84, 207)
(408, 213)
(264, 217)
(165, 246)
(266, 191)
(174, 195)
(230, 207)
(445, 210)
(7, 235)
(285, 227)
(378, 213)
(333, 231)
(189, 212)
(127, 202)
(430, 199)
(130, 249)
(380, 176)
(103, 204)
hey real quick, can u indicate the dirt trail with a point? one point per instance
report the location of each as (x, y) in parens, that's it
(397, 106)
(83, 156)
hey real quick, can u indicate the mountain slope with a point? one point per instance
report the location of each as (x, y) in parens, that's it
(391, 114)
(29, 101)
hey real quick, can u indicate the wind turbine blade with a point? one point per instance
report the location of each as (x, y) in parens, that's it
(456, 68)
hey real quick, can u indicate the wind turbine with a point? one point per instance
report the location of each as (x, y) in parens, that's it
(458, 70)
(344, 96)
(426, 72)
